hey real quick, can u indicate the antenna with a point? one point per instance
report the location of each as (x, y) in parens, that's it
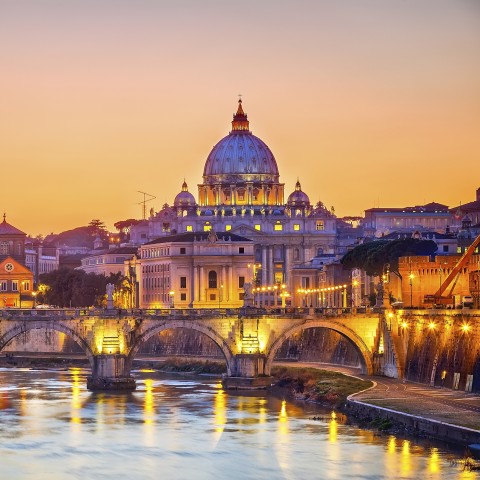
(144, 202)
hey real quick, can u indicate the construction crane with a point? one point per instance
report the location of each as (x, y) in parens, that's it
(438, 298)
(144, 202)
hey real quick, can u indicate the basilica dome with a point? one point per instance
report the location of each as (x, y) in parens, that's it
(240, 156)
(184, 198)
(298, 198)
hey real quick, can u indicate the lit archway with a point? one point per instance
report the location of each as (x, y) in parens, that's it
(191, 325)
(363, 351)
(23, 327)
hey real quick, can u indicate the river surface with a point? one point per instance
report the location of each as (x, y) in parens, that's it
(174, 427)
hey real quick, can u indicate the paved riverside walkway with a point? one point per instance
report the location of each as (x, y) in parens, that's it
(442, 404)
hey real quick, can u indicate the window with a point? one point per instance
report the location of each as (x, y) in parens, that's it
(228, 227)
(296, 227)
(213, 297)
(241, 250)
(183, 250)
(189, 228)
(278, 227)
(15, 285)
(445, 248)
(25, 286)
(183, 297)
(320, 225)
(143, 235)
(319, 251)
(241, 282)
(183, 282)
(3, 286)
(212, 279)
(4, 248)
(257, 227)
(165, 227)
(207, 227)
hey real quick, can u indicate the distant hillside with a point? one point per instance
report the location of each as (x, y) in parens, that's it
(77, 237)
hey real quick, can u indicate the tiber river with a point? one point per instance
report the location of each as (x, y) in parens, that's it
(176, 427)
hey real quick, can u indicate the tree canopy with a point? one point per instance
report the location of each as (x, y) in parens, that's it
(373, 256)
(75, 288)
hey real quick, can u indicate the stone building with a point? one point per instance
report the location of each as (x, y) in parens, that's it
(194, 270)
(12, 242)
(16, 284)
(241, 193)
(107, 261)
(423, 275)
(432, 216)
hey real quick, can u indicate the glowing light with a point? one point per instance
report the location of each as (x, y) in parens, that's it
(333, 428)
(434, 461)
(404, 324)
(465, 327)
(432, 325)
(392, 444)
(220, 409)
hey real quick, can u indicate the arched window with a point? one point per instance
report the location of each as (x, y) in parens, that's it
(212, 279)
(296, 254)
(319, 251)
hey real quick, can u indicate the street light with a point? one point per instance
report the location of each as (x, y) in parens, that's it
(411, 277)
(34, 295)
(172, 303)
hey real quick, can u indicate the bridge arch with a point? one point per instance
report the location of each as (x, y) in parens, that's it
(363, 351)
(191, 325)
(22, 327)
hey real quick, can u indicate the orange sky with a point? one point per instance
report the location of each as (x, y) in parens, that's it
(367, 102)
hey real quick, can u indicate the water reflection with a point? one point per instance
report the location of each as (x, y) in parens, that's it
(190, 428)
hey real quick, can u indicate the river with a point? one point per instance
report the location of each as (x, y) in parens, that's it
(181, 427)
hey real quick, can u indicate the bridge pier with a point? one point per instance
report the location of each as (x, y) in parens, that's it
(248, 373)
(110, 372)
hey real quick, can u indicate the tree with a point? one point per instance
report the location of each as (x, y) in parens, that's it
(75, 288)
(373, 256)
(97, 228)
(123, 227)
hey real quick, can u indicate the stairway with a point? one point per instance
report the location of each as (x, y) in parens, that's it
(111, 345)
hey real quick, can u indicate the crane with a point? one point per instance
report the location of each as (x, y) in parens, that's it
(144, 202)
(438, 298)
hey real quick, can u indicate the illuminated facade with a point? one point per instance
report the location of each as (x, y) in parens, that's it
(194, 270)
(16, 284)
(241, 194)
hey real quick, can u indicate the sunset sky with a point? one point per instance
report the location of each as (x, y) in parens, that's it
(368, 102)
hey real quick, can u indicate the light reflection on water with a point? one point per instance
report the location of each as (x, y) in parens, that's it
(52, 428)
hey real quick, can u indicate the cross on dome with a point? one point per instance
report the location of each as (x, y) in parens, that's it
(240, 122)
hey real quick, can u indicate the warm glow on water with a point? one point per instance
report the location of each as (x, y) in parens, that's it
(178, 427)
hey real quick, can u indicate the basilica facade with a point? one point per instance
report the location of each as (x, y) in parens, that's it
(241, 194)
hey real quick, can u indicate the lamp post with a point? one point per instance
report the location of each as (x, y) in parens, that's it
(411, 277)
(34, 295)
(172, 300)
(354, 293)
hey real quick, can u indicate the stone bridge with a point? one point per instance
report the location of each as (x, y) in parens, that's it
(248, 339)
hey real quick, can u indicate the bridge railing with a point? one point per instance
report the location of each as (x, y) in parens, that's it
(177, 313)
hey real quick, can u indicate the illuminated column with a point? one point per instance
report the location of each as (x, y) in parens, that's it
(231, 285)
(264, 264)
(202, 284)
(196, 284)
